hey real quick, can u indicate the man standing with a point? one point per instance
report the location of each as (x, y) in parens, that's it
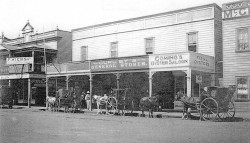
(87, 99)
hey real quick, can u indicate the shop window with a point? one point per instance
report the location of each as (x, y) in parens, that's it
(242, 39)
(242, 87)
(114, 49)
(192, 41)
(84, 53)
(149, 45)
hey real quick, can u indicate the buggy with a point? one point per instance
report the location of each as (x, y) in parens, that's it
(6, 96)
(213, 104)
(120, 101)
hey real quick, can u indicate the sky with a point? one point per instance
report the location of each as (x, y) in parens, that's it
(46, 15)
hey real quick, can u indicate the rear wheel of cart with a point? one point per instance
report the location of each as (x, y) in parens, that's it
(209, 109)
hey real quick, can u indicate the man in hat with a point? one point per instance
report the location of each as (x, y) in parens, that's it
(87, 99)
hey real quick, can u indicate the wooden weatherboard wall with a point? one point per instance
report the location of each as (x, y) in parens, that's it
(168, 29)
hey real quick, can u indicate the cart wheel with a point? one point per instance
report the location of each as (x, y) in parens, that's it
(228, 112)
(209, 109)
(112, 105)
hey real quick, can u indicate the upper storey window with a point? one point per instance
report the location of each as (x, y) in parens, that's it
(149, 45)
(114, 49)
(242, 39)
(192, 41)
(84, 53)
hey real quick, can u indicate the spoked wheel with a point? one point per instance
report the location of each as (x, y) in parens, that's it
(228, 112)
(209, 109)
(112, 105)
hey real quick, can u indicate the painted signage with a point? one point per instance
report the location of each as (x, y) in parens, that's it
(120, 64)
(19, 60)
(19, 68)
(133, 63)
(201, 61)
(235, 9)
(38, 82)
(168, 60)
(4, 70)
(104, 65)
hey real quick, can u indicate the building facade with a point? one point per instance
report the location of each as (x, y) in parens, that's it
(162, 53)
(23, 63)
(236, 50)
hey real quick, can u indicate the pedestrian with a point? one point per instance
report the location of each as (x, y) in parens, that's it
(87, 99)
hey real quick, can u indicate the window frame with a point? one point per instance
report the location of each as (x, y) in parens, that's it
(153, 45)
(237, 42)
(110, 50)
(196, 36)
(86, 49)
(247, 87)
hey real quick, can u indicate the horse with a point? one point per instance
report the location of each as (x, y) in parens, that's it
(52, 103)
(101, 101)
(65, 99)
(149, 103)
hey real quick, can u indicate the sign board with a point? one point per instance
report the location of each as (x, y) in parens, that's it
(120, 64)
(202, 61)
(19, 60)
(235, 9)
(198, 79)
(169, 60)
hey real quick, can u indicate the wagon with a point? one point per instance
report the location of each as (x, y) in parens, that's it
(216, 103)
(6, 96)
(65, 100)
(119, 101)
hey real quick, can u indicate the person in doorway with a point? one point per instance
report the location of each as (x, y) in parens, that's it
(87, 99)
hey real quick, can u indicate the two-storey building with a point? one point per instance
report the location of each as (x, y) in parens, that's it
(162, 53)
(236, 49)
(23, 61)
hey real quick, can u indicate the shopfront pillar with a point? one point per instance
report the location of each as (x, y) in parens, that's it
(90, 89)
(67, 82)
(118, 75)
(47, 90)
(29, 93)
(150, 79)
(189, 82)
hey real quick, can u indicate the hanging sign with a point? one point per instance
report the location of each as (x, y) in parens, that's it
(199, 79)
(19, 60)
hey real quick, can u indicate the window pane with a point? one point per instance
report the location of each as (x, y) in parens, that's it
(113, 49)
(192, 42)
(242, 88)
(243, 39)
(149, 45)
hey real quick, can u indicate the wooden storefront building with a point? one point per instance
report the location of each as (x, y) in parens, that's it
(236, 49)
(166, 50)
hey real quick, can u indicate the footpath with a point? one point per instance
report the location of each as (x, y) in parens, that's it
(242, 111)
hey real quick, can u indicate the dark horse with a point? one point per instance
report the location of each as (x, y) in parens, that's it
(149, 103)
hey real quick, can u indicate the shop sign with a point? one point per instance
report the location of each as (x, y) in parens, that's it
(38, 82)
(4, 70)
(19, 60)
(133, 63)
(201, 61)
(19, 68)
(120, 64)
(104, 65)
(169, 60)
(235, 9)
(198, 79)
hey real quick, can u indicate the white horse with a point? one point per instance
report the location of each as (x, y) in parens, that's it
(101, 101)
(52, 103)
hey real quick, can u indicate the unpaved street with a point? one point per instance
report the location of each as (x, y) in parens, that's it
(30, 126)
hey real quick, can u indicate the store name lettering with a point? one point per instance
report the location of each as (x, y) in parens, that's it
(236, 13)
(137, 64)
(169, 60)
(201, 61)
(104, 66)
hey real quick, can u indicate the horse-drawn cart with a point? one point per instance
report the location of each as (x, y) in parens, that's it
(213, 104)
(120, 101)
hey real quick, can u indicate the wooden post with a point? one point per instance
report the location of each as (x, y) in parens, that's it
(117, 83)
(47, 91)
(189, 82)
(90, 89)
(29, 93)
